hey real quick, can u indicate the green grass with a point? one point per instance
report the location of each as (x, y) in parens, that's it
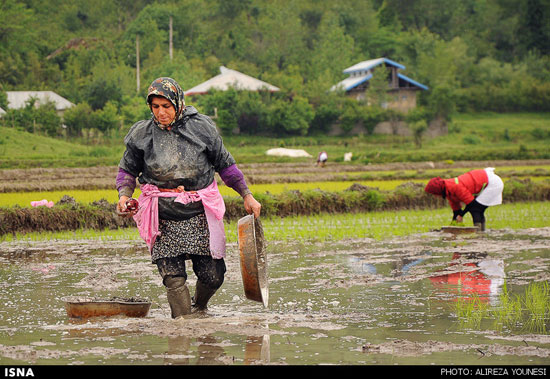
(472, 137)
(19, 149)
(330, 227)
(527, 312)
(471, 311)
(23, 199)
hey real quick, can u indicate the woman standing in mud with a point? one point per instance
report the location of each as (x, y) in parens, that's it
(477, 189)
(174, 155)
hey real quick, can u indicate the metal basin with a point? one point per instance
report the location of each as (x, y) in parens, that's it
(89, 307)
(253, 259)
(460, 229)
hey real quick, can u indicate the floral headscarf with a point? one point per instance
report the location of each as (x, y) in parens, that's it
(171, 90)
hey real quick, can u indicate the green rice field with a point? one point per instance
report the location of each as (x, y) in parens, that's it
(23, 199)
(337, 227)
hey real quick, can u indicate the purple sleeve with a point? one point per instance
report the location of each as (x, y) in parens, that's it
(125, 183)
(233, 177)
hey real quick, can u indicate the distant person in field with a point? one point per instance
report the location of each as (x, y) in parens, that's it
(322, 159)
(174, 155)
(475, 190)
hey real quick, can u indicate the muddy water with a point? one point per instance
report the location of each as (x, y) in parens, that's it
(353, 302)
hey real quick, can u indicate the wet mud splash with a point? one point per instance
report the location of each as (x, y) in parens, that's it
(351, 302)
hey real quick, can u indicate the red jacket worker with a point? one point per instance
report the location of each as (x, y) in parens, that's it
(476, 189)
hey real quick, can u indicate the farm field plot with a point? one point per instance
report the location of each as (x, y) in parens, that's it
(382, 287)
(20, 187)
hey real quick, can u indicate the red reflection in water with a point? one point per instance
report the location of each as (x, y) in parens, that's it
(471, 282)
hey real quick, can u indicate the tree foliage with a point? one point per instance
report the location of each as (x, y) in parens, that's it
(474, 55)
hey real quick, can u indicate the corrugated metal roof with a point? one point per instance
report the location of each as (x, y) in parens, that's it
(413, 82)
(361, 72)
(369, 64)
(230, 78)
(351, 82)
(18, 99)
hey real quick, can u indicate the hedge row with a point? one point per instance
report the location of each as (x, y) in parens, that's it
(69, 215)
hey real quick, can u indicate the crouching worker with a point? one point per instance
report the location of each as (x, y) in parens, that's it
(476, 189)
(322, 159)
(174, 156)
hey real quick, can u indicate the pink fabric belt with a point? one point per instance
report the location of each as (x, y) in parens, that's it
(147, 217)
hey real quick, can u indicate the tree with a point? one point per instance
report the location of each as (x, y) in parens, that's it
(462, 50)
(436, 65)
(534, 29)
(107, 118)
(17, 39)
(418, 128)
(79, 118)
(100, 91)
(377, 92)
(3, 98)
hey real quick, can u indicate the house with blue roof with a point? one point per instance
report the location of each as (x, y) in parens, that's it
(401, 89)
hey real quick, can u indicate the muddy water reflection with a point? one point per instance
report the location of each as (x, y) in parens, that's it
(358, 302)
(473, 276)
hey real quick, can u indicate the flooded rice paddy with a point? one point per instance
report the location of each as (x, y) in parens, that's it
(348, 303)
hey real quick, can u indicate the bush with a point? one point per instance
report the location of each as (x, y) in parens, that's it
(251, 113)
(471, 140)
(257, 113)
(372, 116)
(326, 114)
(82, 117)
(350, 116)
(539, 133)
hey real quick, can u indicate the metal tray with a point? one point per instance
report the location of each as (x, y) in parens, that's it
(253, 259)
(460, 229)
(79, 307)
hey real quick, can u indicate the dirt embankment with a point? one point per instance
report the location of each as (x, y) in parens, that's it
(65, 215)
(69, 215)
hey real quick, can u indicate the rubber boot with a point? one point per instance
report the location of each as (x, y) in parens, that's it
(202, 296)
(179, 299)
(480, 225)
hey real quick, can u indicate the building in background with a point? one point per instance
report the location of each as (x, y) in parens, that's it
(19, 99)
(401, 89)
(229, 78)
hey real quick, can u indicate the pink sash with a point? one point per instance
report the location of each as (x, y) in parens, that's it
(147, 217)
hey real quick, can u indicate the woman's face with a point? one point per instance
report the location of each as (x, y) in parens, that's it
(163, 110)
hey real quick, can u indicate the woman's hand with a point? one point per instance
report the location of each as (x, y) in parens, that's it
(252, 206)
(122, 208)
(121, 205)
